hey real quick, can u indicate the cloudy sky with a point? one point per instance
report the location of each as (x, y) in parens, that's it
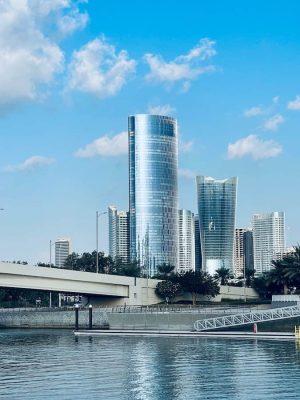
(72, 71)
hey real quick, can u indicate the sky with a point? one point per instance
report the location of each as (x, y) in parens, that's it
(72, 71)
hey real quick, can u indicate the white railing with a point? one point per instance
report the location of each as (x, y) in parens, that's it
(286, 298)
(247, 318)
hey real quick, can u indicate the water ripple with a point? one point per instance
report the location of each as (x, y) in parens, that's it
(51, 364)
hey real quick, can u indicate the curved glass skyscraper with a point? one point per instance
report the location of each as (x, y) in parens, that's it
(153, 190)
(216, 207)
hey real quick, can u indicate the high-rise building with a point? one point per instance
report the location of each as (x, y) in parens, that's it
(243, 251)
(153, 190)
(118, 233)
(268, 239)
(186, 241)
(216, 210)
(198, 258)
(248, 250)
(62, 250)
(239, 263)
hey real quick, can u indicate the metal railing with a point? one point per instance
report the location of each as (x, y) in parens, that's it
(143, 309)
(161, 309)
(247, 318)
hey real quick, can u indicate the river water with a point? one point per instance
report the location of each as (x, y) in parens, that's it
(52, 364)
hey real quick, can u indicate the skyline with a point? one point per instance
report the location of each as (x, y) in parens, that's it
(63, 142)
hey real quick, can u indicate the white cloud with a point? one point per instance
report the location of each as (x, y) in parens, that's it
(273, 123)
(73, 21)
(183, 68)
(294, 104)
(186, 173)
(261, 110)
(185, 147)
(253, 112)
(97, 68)
(29, 164)
(165, 109)
(254, 147)
(30, 57)
(105, 146)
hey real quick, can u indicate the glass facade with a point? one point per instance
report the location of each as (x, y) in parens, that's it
(216, 207)
(153, 190)
(198, 258)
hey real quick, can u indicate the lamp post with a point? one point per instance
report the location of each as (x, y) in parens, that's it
(98, 214)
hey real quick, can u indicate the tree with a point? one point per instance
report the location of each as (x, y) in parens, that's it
(131, 269)
(167, 290)
(222, 274)
(277, 276)
(164, 271)
(87, 262)
(198, 283)
(264, 287)
(249, 273)
(71, 261)
(291, 266)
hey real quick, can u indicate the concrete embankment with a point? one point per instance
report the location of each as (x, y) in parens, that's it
(169, 321)
(45, 318)
(39, 318)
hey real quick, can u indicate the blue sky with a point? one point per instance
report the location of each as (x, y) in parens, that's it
(72, 71)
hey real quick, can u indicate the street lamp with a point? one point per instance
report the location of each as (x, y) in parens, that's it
(98, 214)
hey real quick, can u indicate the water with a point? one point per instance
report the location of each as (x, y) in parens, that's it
(52, 364)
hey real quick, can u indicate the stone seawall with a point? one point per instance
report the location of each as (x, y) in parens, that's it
(65, 319)
(36, 318)
(179, 321)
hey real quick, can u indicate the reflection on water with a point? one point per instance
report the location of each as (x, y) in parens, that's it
(52, 364)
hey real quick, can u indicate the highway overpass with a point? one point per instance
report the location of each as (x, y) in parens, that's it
(109, 289)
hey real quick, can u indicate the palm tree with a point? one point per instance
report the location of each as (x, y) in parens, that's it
(277, 276)
(291, 265)
(165, 270)
(222, 274)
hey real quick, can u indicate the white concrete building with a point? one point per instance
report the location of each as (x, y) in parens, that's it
(186, 241)
(62, 250)
(118, 232)
(268, 239)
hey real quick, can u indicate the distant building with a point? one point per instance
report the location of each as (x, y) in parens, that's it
(186, 241)
(216, 210)
(243, 251)
(268, 239)
(118, 232)
(62, 251)
(153, 190)
(198, 259)
(287, 252)
(248, 250)
(239, 263)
